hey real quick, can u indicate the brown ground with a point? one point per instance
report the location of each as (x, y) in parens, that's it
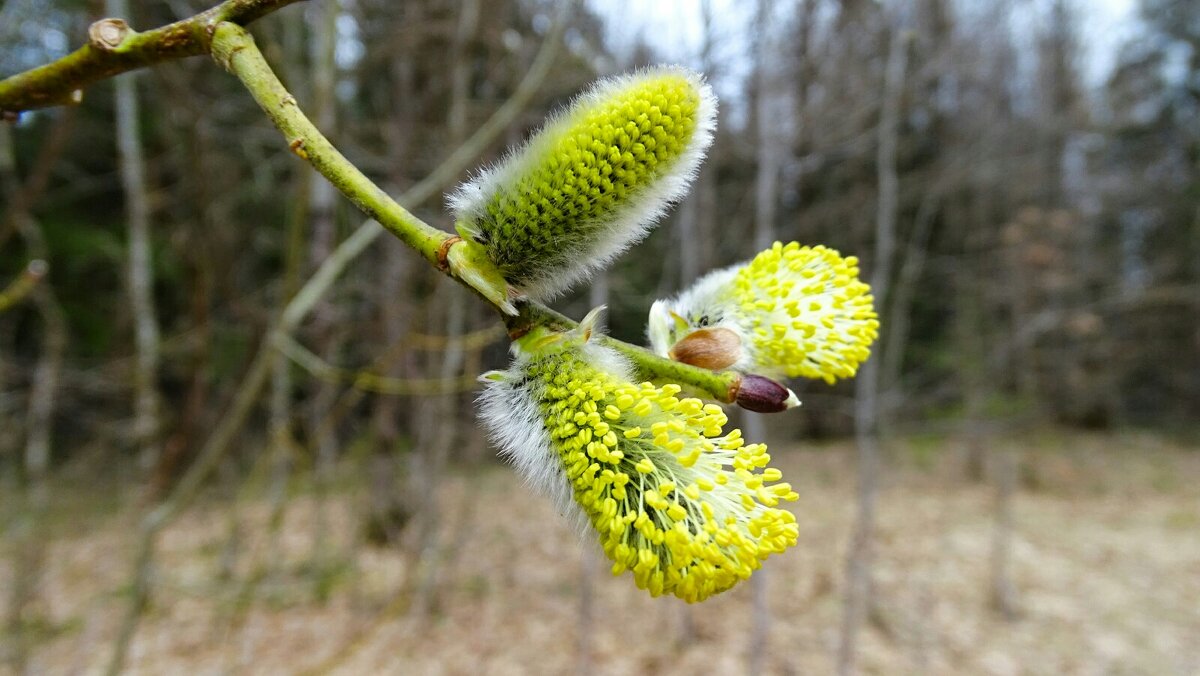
(1106, 562)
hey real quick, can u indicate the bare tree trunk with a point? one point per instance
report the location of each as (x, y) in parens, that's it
(1003, 592)
(698, 212)
(866, 411)
(322, 203)
(766, 200)
(389, 508)
(280, 417)
(442, 429)
(769, 141)
(146, 422)
(906, 285)
(440, 435)
(30, 545)
(972, 357)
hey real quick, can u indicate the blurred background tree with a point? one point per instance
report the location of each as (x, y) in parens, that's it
(1044, 273)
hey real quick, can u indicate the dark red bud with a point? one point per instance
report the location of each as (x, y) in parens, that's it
(763, 395)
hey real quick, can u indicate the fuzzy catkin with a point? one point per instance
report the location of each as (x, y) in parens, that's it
(592, 182)
(795, 310)
(689, 508)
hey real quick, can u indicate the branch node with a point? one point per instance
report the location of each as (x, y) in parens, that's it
(443, 253)
(108, 34)
(733, 389)
(297, 146)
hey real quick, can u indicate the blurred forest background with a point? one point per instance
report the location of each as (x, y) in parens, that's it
(1011, 486)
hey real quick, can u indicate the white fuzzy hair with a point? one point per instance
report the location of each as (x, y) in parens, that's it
(709, 295)
(631, 221)
(509, 411)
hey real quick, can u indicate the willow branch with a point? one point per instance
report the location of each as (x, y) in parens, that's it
(20, 287)
(234, 49)
(114, 48)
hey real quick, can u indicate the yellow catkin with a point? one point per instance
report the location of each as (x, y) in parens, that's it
(790, 311)
(675, 501)
(807, 311)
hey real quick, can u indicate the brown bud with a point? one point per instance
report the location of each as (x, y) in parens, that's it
(763, 395)
(712, 349)
(108, 34)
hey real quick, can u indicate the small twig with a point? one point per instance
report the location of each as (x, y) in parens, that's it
(366, 380)
(234, 49)
(468, 341)
(20, 287)
(114, 48)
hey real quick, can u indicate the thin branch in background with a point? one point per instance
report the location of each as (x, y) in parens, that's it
(20, 287)
(768, 160)
(284, 447)
(437, 415)
(369, 381)
(866, 412)
(131, 157)
(38, 176)
(1003, 596)
(34, 492)
(322, 215)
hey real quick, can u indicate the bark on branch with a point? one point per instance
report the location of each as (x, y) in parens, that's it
(113, 48)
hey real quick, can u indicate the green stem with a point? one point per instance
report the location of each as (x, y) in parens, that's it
(234, 49)
(719, 385)
(114, 48)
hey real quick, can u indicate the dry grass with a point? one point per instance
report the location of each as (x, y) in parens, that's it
(1106, 563)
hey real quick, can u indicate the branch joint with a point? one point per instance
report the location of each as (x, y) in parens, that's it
(108, 35)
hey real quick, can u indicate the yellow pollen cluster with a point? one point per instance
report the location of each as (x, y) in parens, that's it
(688, 509)
(807, 311)
(583, 169)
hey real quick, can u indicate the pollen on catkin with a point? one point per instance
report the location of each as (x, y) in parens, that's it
(688, 508)
(796, 311)
(591, 182)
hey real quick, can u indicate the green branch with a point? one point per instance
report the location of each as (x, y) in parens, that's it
(236, 51)
(113, 48)
(722, 386)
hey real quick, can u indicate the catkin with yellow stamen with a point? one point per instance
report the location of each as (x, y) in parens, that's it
(592, 182)
(688, 508)
(791, 311)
